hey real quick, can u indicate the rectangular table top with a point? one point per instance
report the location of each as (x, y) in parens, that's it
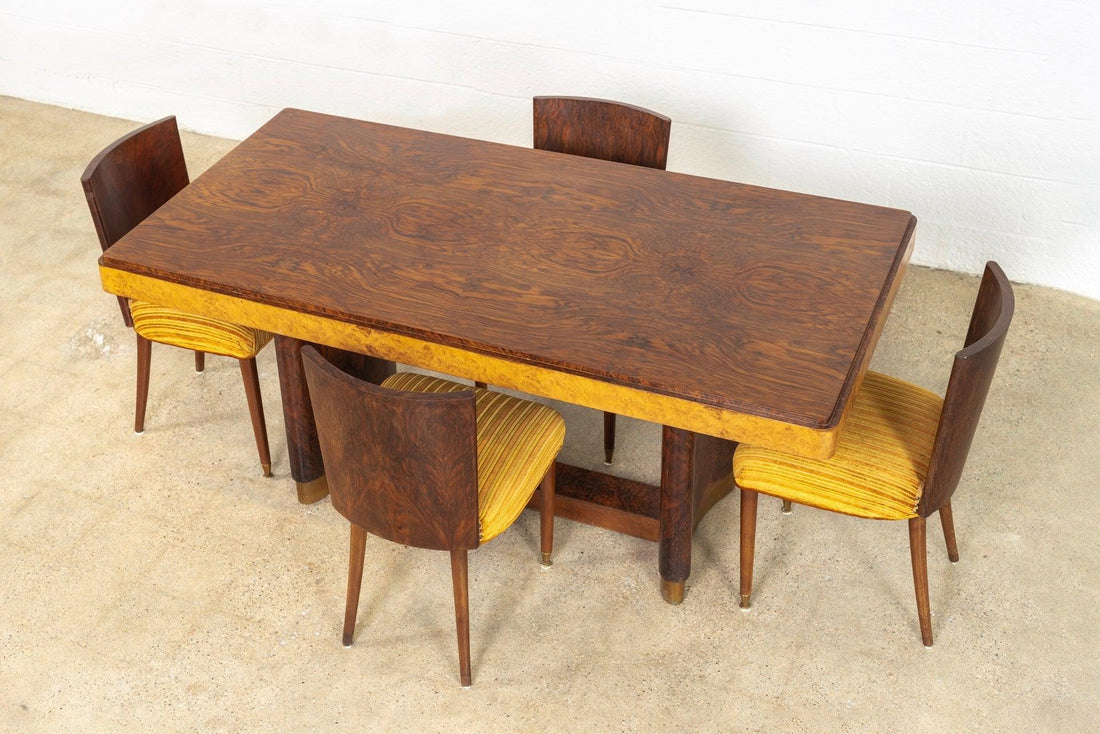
(731, 308)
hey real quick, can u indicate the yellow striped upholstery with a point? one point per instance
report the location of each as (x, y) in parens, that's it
(880, 463)
(191, 331)
(516, 442)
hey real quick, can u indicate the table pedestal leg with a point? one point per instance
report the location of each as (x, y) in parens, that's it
(695, 474)
(306, 466)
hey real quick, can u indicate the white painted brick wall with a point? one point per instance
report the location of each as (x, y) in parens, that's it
(981, 118)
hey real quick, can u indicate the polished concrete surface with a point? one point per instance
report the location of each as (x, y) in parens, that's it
(160, 583)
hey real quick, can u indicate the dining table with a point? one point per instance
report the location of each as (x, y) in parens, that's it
(725, 312)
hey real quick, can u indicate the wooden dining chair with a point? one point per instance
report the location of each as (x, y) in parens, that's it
(611, 131)
(901, 454)
(129, 180)
(433, 464)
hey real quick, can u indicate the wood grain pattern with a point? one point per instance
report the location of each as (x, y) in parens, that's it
(600, 128)
(610, 131)
(732, 296)
(676, 511)
(132, 178)
(402, 466)
(303, 449)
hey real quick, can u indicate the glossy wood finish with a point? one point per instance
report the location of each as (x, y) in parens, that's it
(132, 178)
(608, 438)
(967, 388)
(403, 466)
(606, 501)
(251, 378)
(749, 501)
(144, 358)
(600, 128)
(124, 184)
(918, 550)
(677, 449)
(705, 284)
(356, 557)
(546, 515)
(610, 131)
(634, 508)
(307, 467)
(460, 580)
(723, 309)
(947, 522)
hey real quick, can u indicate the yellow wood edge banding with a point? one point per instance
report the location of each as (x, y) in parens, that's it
(532, 379)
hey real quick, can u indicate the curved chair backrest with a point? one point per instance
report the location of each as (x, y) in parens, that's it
(400, 465)
(597, 128)
(131, 178)
(967, 387)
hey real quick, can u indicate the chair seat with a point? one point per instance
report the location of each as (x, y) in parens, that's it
(200, 333)
(880, 463)
(516, 442)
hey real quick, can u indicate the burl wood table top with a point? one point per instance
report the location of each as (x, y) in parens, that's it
(736, 298)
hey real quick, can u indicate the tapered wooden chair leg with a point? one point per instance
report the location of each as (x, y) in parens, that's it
(608, 437)
(355, 580)
(460, 577)
(948, 523)
(200, 361)
(144, 357)
(748, 544)
(918, 548)
(786, 507)
(256, 408)
(546, 520)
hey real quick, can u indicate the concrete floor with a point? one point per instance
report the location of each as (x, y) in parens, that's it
(158, 582)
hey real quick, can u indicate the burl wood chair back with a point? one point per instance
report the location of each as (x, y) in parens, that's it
(132, 178)
(971, 376)
(599, 128)
(610, 131)
(125, 183)
(433, 464)
(400, 465)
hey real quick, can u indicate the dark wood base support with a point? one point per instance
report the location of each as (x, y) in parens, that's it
(307, 469)
(638, 509)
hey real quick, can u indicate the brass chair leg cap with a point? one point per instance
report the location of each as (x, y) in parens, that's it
(672, 591)
(746, 602)
(546, 562)
(267, 469)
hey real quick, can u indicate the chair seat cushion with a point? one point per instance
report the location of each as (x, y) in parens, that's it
(200, 333)
(880, 463)
(517, 440)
